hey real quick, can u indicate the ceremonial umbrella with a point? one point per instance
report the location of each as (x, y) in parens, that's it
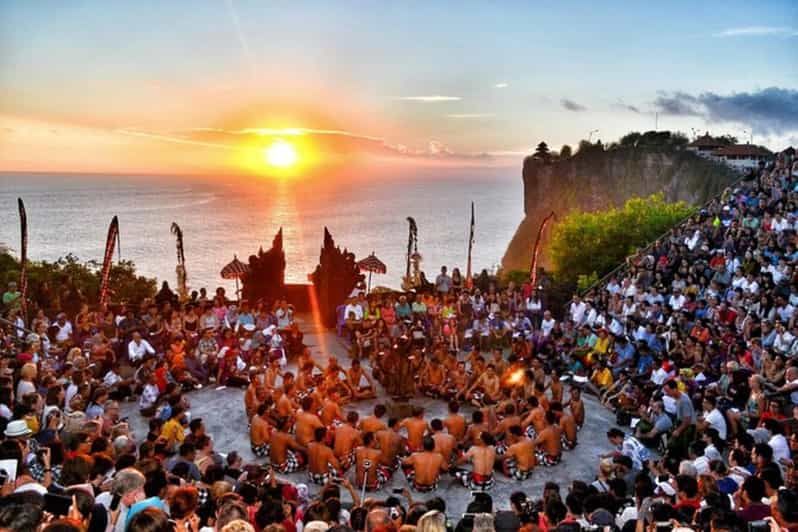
(235, 270)
(372, 264)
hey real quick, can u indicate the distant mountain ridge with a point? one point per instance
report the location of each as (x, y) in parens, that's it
(595, 179)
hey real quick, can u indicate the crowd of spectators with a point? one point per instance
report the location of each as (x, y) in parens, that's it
(692, 344)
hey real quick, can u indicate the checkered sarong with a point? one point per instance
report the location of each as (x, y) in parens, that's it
(319, 478)
(531, 433)
(410, 474)
(383, 476)
(547, 459)
(293, 462)
(512, 471)
(260, 450)
(429, 391)
(475, 481)
(502, 447)
(566, 443)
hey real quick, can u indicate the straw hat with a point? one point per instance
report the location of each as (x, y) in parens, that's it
(17, 429)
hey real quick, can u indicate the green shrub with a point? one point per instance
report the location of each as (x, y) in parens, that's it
(62, 284)
(591, 244)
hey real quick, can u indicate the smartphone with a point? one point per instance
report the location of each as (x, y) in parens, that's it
(57, 504)
(398, 491)
(115, 502)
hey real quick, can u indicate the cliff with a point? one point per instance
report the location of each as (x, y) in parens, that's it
(596, 179)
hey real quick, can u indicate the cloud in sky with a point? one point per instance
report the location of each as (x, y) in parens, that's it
(502, 85)
(677, 103)
(621, 106)
(470, 115)
(431, 99)
(571, 105)
(759, 31)
(324, 141)
(773, 110)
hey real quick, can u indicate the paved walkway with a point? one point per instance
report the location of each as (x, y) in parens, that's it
(222, 410)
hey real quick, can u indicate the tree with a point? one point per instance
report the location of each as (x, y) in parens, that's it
(630, 139)
(565, 152)
(542, 152)
(585, 243)
(68, 282)
(586, 147)
(727, 140)
(679, 139)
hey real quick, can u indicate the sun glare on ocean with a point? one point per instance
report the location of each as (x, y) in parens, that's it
(280, 154)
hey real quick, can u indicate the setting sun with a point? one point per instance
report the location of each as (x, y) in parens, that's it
(280, 154)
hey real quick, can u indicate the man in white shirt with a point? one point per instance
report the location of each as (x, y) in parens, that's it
(443, 283)
(577, 310)
(353, 311)
(750, 284)
(780, 224)
(548, 324)
(783, 340)
(778, 442)
(138, 347)
(677, 300)
(64, 329)
(659, 375)
(629, 446)
(784, 309)
(713, 418)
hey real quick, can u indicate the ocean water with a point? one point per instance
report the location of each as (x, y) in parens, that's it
(70, 214)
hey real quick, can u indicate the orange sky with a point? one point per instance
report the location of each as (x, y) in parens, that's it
(156, 87)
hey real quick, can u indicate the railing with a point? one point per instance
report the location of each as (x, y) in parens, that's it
(17, 328)
(648, 246)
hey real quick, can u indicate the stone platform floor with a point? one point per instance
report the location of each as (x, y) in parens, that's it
(222, 411)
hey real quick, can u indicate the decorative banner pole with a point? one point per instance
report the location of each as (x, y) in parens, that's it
(180, 270)
(533, 270)
(412, 241)
(469, 280)
(110, 241)
(23, 259)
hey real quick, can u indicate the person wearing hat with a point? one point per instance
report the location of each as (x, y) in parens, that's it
(18, 430)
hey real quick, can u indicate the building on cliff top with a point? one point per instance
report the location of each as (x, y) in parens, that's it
(742, 156)
(705, 145)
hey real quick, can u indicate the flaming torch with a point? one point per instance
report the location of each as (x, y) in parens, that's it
(515, 378)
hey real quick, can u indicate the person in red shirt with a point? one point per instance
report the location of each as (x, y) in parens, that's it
(700, 332)
(688, 500)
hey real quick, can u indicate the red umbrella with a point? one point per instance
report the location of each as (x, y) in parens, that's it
(372, 264)
(235, 269)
